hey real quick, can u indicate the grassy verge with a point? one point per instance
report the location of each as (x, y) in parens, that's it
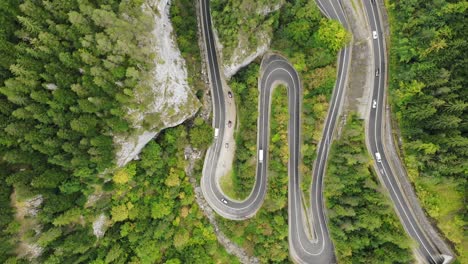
(363, 225)
(265, 235)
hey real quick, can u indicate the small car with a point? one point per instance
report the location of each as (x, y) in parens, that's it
(374, 103)
(377, 72)
(374, 34)
(229, 123)
(226, 145)
(230, 94)
(224, 201)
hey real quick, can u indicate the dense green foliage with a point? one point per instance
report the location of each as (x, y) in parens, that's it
(6, 215)
(8, 11)
(153, 215)
(363, 225)
(302, 28)
(65, 89)
(64, 94)
(266, 234)
(428, 92)
(74, 75)
(243, 23)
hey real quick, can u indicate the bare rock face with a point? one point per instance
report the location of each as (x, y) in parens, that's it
(26, 212)
(100, 226)
(29, 251)
(30, 207)
(170, 101)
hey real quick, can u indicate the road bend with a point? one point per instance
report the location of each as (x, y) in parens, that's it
(304, 247)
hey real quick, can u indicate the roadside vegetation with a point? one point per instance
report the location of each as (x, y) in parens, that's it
(63, 94)
(363, 225)
(428, 83)
(266, 234)
(303, 36)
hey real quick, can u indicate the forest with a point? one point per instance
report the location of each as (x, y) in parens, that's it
(70, 71)
(66, 81)
(428, 93)
(363, 225)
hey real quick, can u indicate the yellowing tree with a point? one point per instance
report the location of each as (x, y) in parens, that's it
(125, 174)
(173, 179)
(119, 213)
(121, 176)
(332, 34)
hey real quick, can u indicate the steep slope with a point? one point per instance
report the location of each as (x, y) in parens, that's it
(244, 29)
(170, 100)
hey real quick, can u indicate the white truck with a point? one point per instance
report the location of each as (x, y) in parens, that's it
(260, 155)
(216, 132)
(378, 157)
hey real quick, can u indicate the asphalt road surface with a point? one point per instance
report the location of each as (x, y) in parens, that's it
(427, 249)
(304, 247)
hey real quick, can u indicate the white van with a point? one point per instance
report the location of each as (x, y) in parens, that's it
(378, 157)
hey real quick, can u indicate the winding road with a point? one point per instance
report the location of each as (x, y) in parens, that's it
(304, 247)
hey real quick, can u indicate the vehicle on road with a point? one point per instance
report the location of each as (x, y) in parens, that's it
(224, 201)
(229, 123)
(230, 94)
(260, 156)
(377, 71)
(216, 132)
(374, 103)
(374, 34)
(378, 157)
(226, 145)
